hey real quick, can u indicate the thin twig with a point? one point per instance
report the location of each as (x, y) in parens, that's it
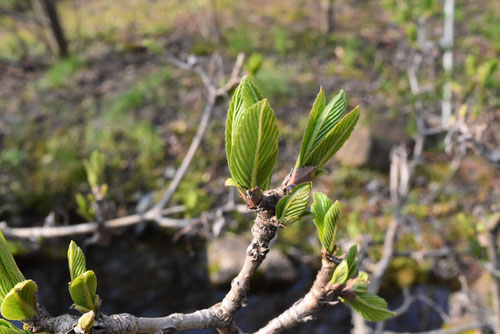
(305, 308)
(50, 232)
(213, 94)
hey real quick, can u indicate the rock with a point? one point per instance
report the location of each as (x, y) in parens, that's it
(226, 256)
(277, 268)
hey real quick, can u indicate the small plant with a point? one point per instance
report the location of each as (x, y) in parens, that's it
(252, 150)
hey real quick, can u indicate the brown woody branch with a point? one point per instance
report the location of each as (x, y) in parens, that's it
(220, 315)
(308, 306)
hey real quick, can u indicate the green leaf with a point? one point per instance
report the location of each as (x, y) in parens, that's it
(332, 141)
(245, 96)
(7, 327)
(362, 282)
(352, 261)
(330, 227)
(312, 125)
(20, 302)
(83, 292)
(293, 206)
(340, 273)
(76, 260)
(370, 306)
(255, 147)
(320, 207)
(8, 324)
(321, 121)
(85, 323)
(10, 330)
(231, 182)
(10, 274)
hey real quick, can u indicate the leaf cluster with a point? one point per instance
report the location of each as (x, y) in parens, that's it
(366, 304)
(83, 285)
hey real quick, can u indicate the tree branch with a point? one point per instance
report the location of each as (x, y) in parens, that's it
(220, 315)
(50, 232)
(305, 308)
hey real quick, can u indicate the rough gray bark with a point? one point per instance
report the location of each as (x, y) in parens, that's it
(220, 315)
(303, 310)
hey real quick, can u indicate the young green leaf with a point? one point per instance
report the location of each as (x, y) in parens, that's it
(20, 302)
(370, 306)
(320, 207)
(352, 261)
(330, 226)
(83, 292)
(76, 260)
(7, 327)
(7, 330)
(332, 141)
(85, 323)
(362, 282)
(321, 120)
(254, 147)
(340, 273)
(245, 96)
(10, 274)
(293, 206)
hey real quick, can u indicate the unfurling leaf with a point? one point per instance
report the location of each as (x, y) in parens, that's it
(330, 227)
(369, 306)
(83, 292)
(85, 323)
(7, 327)
(340, 273)
(352, 261)
(325, 150)
(76, 260)
(326, 220)
(20, 302)
(320, 207)
(321, 120)
(362, 282)
(254, 147)
(326, 131)
(10, 274)
(293, 206)
(245, 96)
(347, 268)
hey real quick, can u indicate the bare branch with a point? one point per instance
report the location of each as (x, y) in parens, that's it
(220, 315)
(305, 308)
(49, 232)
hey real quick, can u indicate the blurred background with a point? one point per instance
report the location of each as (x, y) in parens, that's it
(96, 118)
